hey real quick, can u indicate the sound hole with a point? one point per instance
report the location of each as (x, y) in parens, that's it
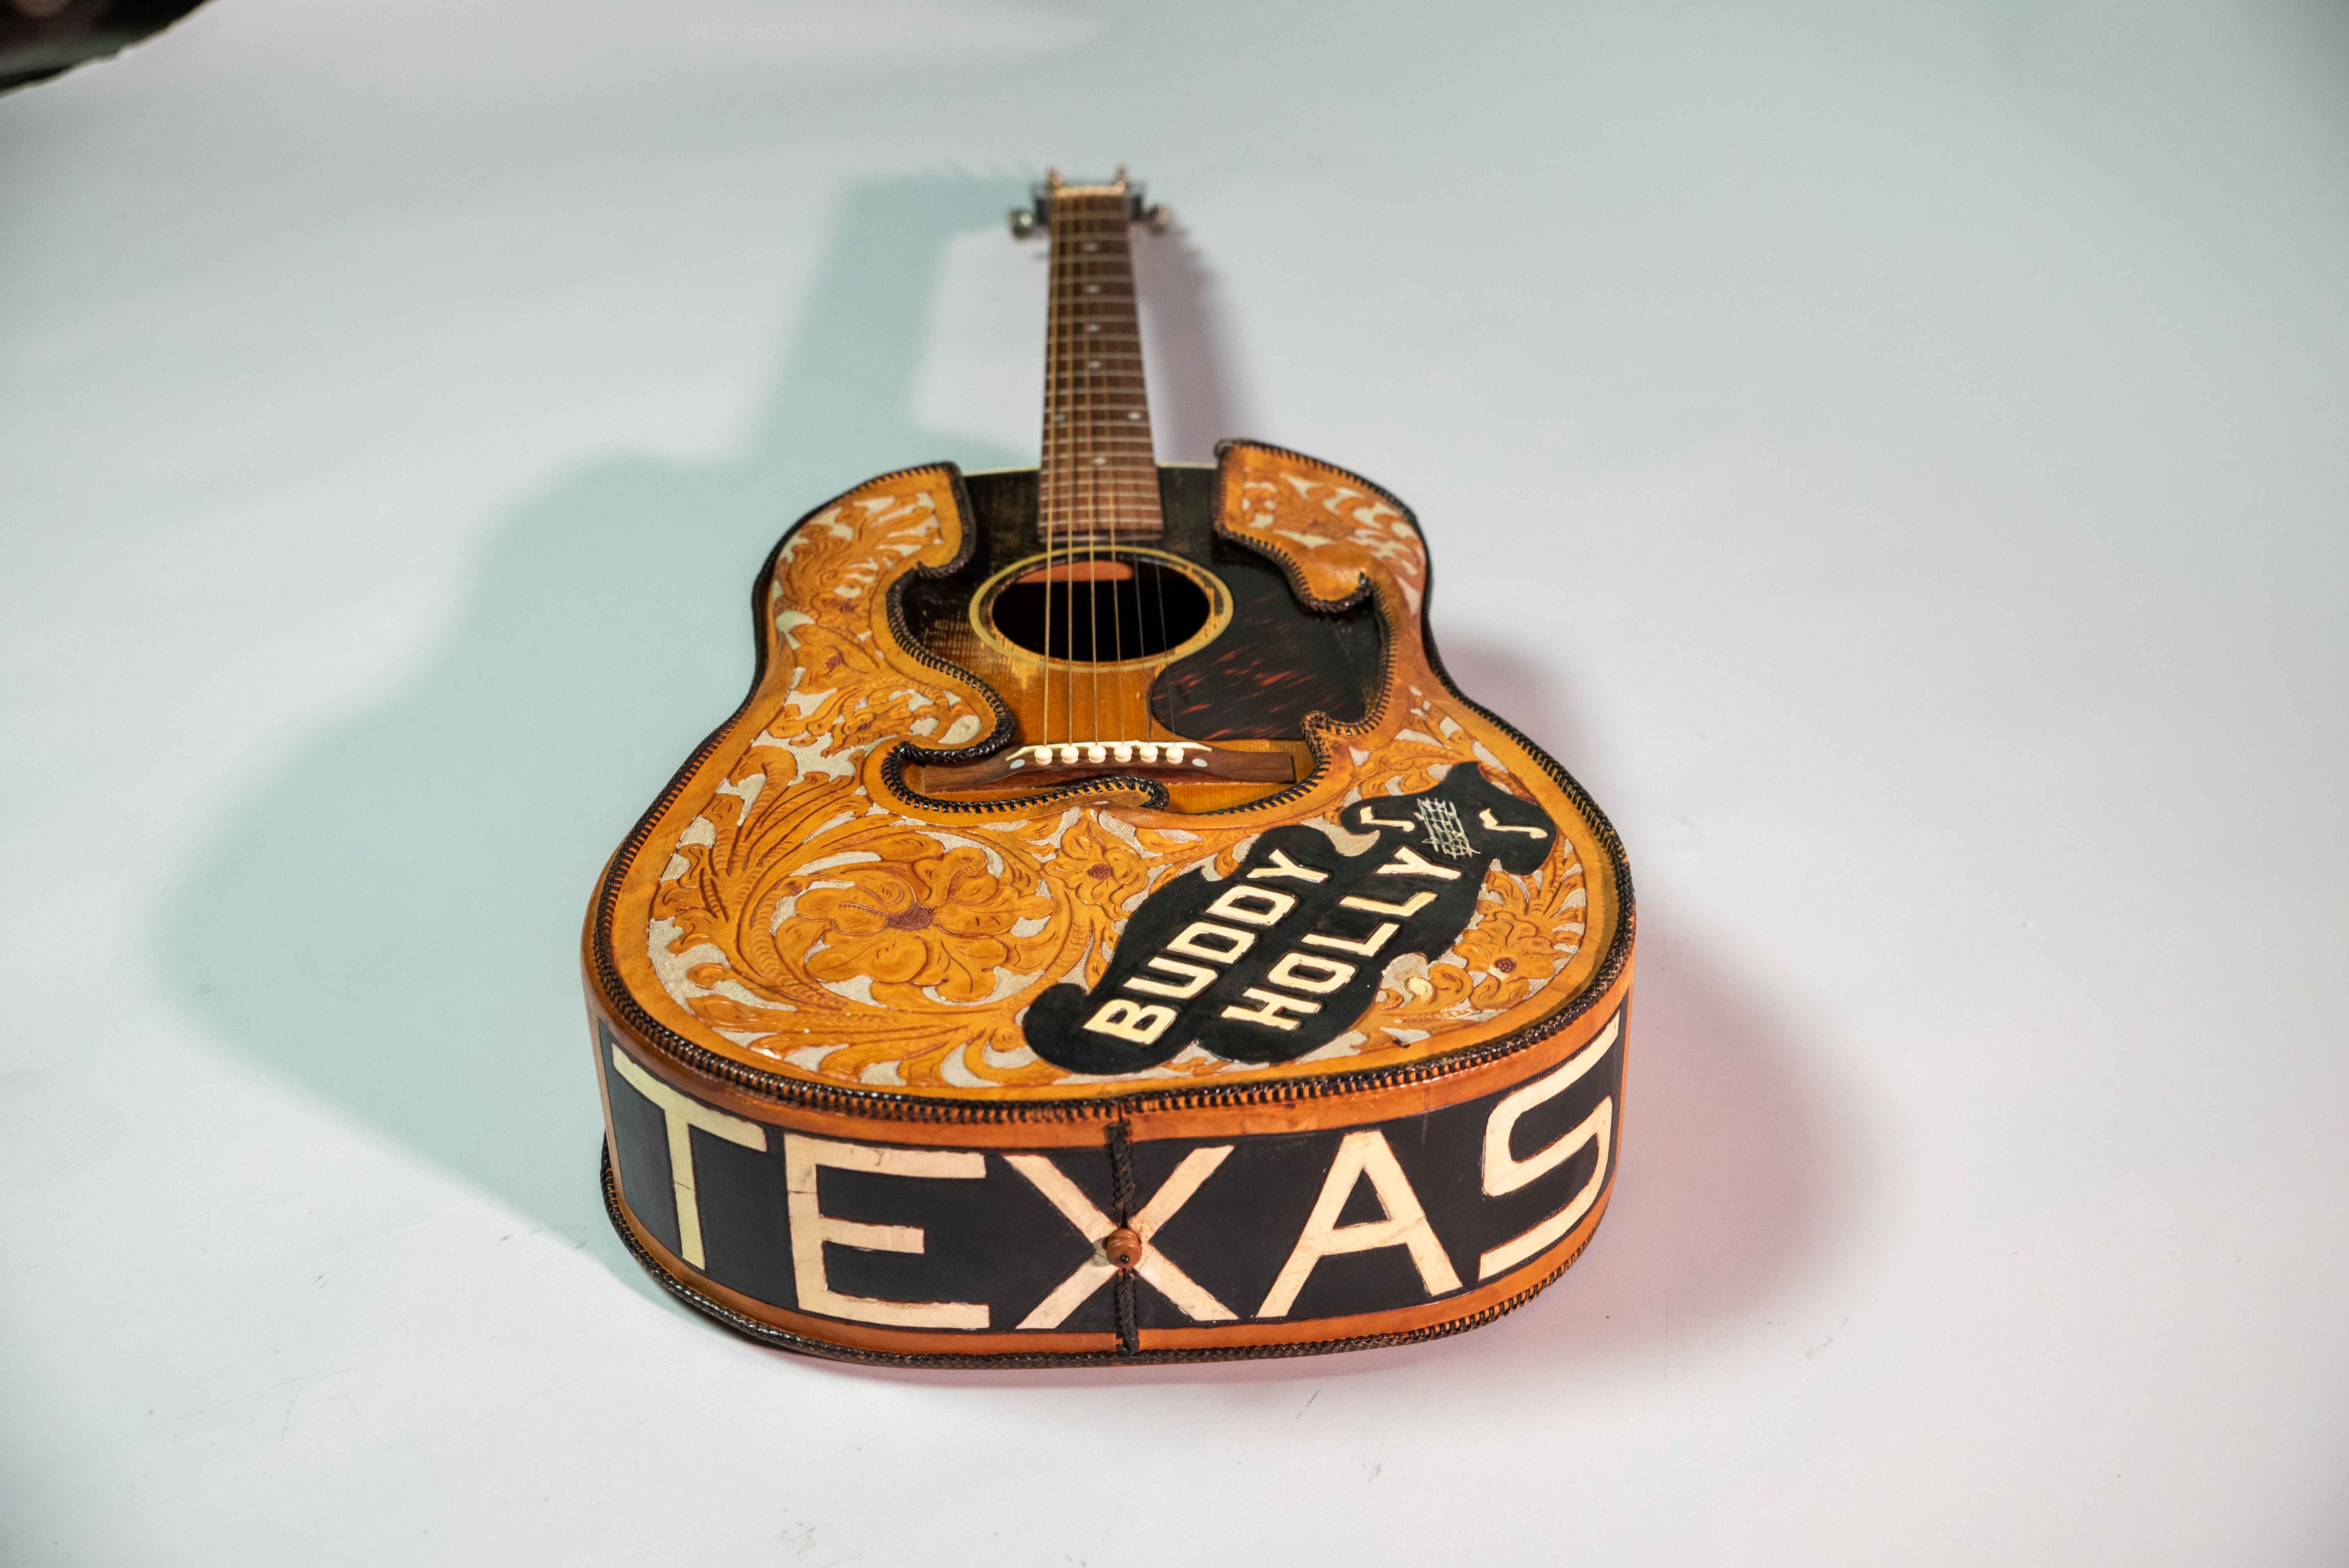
(1100, 611)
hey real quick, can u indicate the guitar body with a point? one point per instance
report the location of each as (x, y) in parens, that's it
(1097, 946)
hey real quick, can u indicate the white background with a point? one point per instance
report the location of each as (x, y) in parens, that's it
(1894, 455)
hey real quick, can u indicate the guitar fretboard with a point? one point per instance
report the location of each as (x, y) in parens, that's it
(1100, 478)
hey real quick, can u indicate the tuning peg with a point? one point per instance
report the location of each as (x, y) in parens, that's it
(1156, 219)
(1023, 222)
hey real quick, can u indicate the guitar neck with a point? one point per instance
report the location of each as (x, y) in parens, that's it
(1100, 476)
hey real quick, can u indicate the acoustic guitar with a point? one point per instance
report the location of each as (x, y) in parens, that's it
(1104, 933)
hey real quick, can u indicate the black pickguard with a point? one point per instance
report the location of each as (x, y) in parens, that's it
(1275, 663)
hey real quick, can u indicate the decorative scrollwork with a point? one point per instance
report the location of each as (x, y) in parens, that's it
(806, 922)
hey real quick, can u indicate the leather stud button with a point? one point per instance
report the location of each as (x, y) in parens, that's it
(1121, 1247)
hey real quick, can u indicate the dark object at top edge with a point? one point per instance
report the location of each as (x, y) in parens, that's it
(43, 38)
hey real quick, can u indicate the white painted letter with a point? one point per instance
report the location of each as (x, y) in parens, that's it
(1404, 910)
(1140, 1022)
(1269, 1006)
(811, 1228)
(1092, 1224)
(1407, 863)
(1327, 974)
(1255, 905)
(1367, 947)
(1198, 974)
(1201, 931)
(1362, 1154)
(1282, 866)
(682, 1114)
(1504, 1172)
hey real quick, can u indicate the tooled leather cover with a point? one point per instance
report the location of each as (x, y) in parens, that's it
(790, 908)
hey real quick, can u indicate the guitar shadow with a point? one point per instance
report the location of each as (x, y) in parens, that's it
(1196, 396)
(392, 921)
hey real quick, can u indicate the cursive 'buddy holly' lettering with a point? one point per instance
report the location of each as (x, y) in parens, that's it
(1285, 955)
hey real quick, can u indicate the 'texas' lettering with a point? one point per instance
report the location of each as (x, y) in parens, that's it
(1284, 1226)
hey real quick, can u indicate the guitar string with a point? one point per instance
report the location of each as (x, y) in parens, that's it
(1121, 266)
(1158, 571)
(1046, 483)
(1072, 499)
(1083, 480)
(1078, 517)
(1085, 475)
(1072, 443)
(1117, 273)
(1064, 489)
(1116, 239)
(1064, 492)
(1084, 494)
(1089, 472)
(1105, 485)
(1064, 504)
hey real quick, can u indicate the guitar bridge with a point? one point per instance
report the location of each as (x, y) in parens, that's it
(1064, 762)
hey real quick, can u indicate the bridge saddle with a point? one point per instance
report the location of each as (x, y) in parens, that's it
(1064, 762)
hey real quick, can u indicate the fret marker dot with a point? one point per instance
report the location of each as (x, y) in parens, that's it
(1135, 415)
(1092, 364)
(1100, 462)
(1092, 326)
(1092, 288)
(1091, 245)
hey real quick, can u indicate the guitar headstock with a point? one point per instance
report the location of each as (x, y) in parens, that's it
(1037, 217)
